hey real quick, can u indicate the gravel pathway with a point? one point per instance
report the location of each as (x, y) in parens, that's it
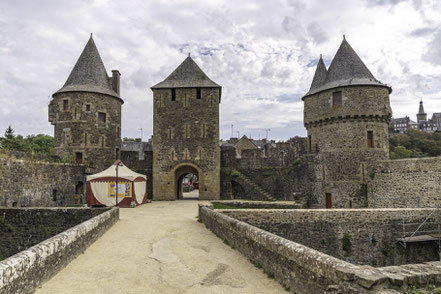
(160, 248)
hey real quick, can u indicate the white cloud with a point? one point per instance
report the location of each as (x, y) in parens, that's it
(263, 53)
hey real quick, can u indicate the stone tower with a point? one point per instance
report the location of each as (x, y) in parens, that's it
(346, 114)
(86, 112)
(421, 115)
(186, 132)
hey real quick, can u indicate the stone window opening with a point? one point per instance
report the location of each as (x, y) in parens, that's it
(102, 141)
(66, 105)
(87, 107)
(204, 130)
(211, 100)
(370, 139)
(14, 204)
(102, 117)
(198, 93)
(116, 153)
(187, 131)
(76, 114)
(79, 157)
(186, 154)
(170, 133)
(173, 94)
(117, 132)
(186, 101)
(85, 139)
(54, 194)
(336, 99)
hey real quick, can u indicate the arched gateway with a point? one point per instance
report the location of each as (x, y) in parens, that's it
(186, 133)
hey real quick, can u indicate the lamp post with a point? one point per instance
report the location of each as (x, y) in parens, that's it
(118, 164)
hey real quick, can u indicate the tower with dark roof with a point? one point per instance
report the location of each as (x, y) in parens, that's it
(421, 115)
(186, 132)
(86, 112)
(346, 114)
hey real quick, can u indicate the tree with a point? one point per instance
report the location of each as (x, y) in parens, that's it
(400, 152)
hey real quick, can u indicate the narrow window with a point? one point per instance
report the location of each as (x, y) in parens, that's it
(370, 139)
(310, 144)
(186, 98)
(200, 154)
(198, 93)
(54, 194)
(186, 131)
(204, 130)
(170, 133)
(102, 117)
(102, 141)
(85, 139)
(159, 100)
(173, 94)
(117, 132)
(336, 99)
(116, 153)
(328, 200)
(186, 154)
(87, 107)
(75, 116)
(211, 100)
(65, 105)
(173, 155)
(79, 157)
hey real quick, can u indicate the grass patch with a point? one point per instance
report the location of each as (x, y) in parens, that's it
(217, 205)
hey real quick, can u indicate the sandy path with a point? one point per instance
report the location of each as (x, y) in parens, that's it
(160, 248)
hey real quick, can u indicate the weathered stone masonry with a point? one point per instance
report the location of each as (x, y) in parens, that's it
(25, 271)
(28, 181)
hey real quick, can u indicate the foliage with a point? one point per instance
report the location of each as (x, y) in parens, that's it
(125, 139)
(415, 143)
(235, 174)
(346, 244)
(32, 143)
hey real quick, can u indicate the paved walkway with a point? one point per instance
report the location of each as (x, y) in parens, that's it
(160, 248)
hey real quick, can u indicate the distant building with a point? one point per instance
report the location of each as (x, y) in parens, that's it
(404, 124)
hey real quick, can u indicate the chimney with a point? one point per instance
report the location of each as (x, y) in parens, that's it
(115, 80)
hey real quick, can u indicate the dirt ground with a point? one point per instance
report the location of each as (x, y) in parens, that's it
(160, 248)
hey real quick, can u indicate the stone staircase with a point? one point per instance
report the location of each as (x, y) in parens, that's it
(264, 195)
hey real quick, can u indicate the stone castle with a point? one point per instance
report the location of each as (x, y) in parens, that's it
(343, 162)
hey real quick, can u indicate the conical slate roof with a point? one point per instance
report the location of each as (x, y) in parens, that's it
(89, 74)
(320, 75)
(187, 75)
(346, 69)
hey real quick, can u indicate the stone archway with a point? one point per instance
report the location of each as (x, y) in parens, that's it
(180, 173)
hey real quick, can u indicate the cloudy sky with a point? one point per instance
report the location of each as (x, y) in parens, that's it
(263, 53)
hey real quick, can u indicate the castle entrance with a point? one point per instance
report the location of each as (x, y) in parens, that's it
(187, 182)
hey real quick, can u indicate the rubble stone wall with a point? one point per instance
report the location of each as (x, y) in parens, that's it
(414, 182)
(25, 271)
(26, 181)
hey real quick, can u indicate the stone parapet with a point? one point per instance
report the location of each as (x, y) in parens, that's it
(25, 271)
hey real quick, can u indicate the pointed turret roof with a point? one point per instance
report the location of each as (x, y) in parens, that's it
(347, 69)
(89, 74)
(421, 109)
(320, 75)
(187, 75)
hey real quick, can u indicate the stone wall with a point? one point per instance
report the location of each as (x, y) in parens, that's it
(25, 271)
(304, 270)
(21, 228)
(25, 181)
(372, 234)
(140, 165)
(412, 182)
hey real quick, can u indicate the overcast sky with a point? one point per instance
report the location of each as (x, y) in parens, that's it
(262, 53)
